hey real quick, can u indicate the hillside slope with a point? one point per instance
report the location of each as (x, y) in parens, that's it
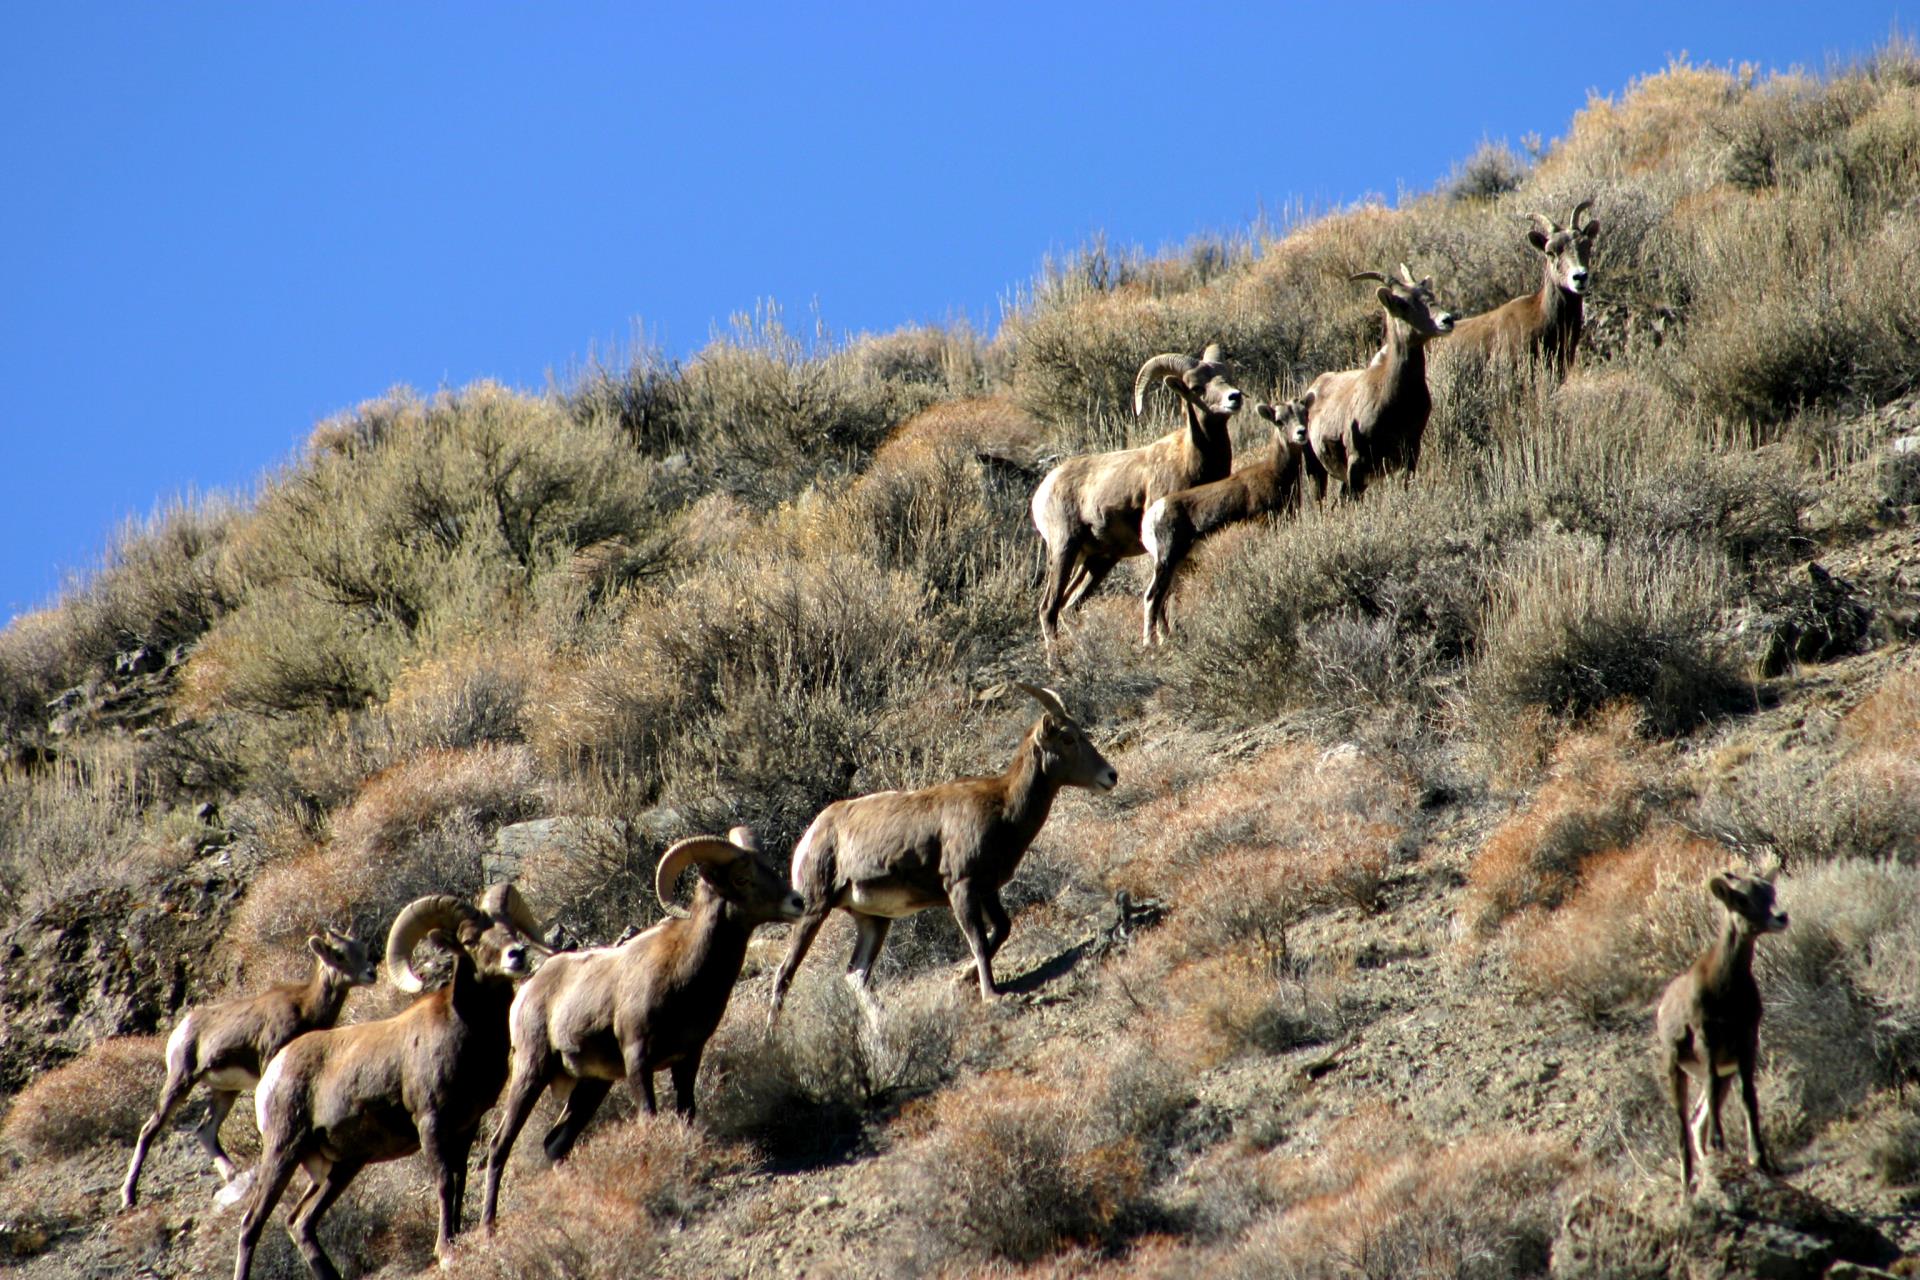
(1350, 976)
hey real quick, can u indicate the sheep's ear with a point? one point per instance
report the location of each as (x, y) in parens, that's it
(1385, 295)
(1537, 240)
(1723, 889)
(318, 945)
(1306, 401)
(1589, 231)
(1270, 412)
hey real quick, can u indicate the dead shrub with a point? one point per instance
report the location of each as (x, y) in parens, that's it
(1381, 1198)
(1863, 802)
(101, 1097)
(808, 1091)
(1577, 625)
(1404, 582)
(1603, 785)
(1245, 854)
(759, 689)
(1224, 1006)
(1013, 1169)
(417, 828)
(1842, 984)
(604, 1211)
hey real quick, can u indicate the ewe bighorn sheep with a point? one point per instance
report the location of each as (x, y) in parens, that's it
(1175, 524)
(336, 1101)
(1370, 420)
(1708, 1026)
(1547, 322)
(895, 853)
(1088, 508)
(229, 1044)
(590, 1018)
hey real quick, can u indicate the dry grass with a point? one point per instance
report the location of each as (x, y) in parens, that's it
(102, 1097)
(1380, 1198)
(1639, 915)
(1245, 854)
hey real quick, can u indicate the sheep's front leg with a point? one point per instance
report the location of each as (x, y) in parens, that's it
(970, 909)
(1750, 1102)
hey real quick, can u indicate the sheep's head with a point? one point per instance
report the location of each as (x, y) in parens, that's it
(1749, 900)
(735, 869)
(1410, 301)
(1067, 754)
(1566, 248)
(345, 955)
(1289, 424)
(1206, 383)
(500, 935)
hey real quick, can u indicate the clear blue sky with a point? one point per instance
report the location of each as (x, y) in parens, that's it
(223, 222)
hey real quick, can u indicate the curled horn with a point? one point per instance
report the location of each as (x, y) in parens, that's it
(419, 918)
(1046, 698)
(1170, 365)
(683, 853)
(503, 902)
(1381, 276)
(1573, 220)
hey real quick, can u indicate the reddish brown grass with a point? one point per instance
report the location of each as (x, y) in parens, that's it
(101, 1097)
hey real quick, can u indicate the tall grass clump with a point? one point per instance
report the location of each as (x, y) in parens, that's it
(411, 523)
(761, 411)
(1576, 625)
(1392, 590)
(760, 688)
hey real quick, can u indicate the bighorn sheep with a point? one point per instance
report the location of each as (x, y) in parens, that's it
(1547, 322)
(590, 1018)
(336, 1101)
(1175, 524)
(1370, 420)
(895, 853)
(1088, 508)
(1708, 1026)
(229, 1044)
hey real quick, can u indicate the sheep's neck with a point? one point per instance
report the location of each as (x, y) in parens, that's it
(717, 936)
(1562, 314)
(1210, 438)
(1029, 791)
(479, 1001)
(1732, 957)
(325, 992)
(1404, 356)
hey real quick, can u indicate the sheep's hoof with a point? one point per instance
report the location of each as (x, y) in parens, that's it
(234, 1192)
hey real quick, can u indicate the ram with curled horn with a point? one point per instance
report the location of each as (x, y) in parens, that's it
(1547, 323)
(889, 855)
(338, 1100)
(1370, 420)
(1088, 509)
(591, 1018)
